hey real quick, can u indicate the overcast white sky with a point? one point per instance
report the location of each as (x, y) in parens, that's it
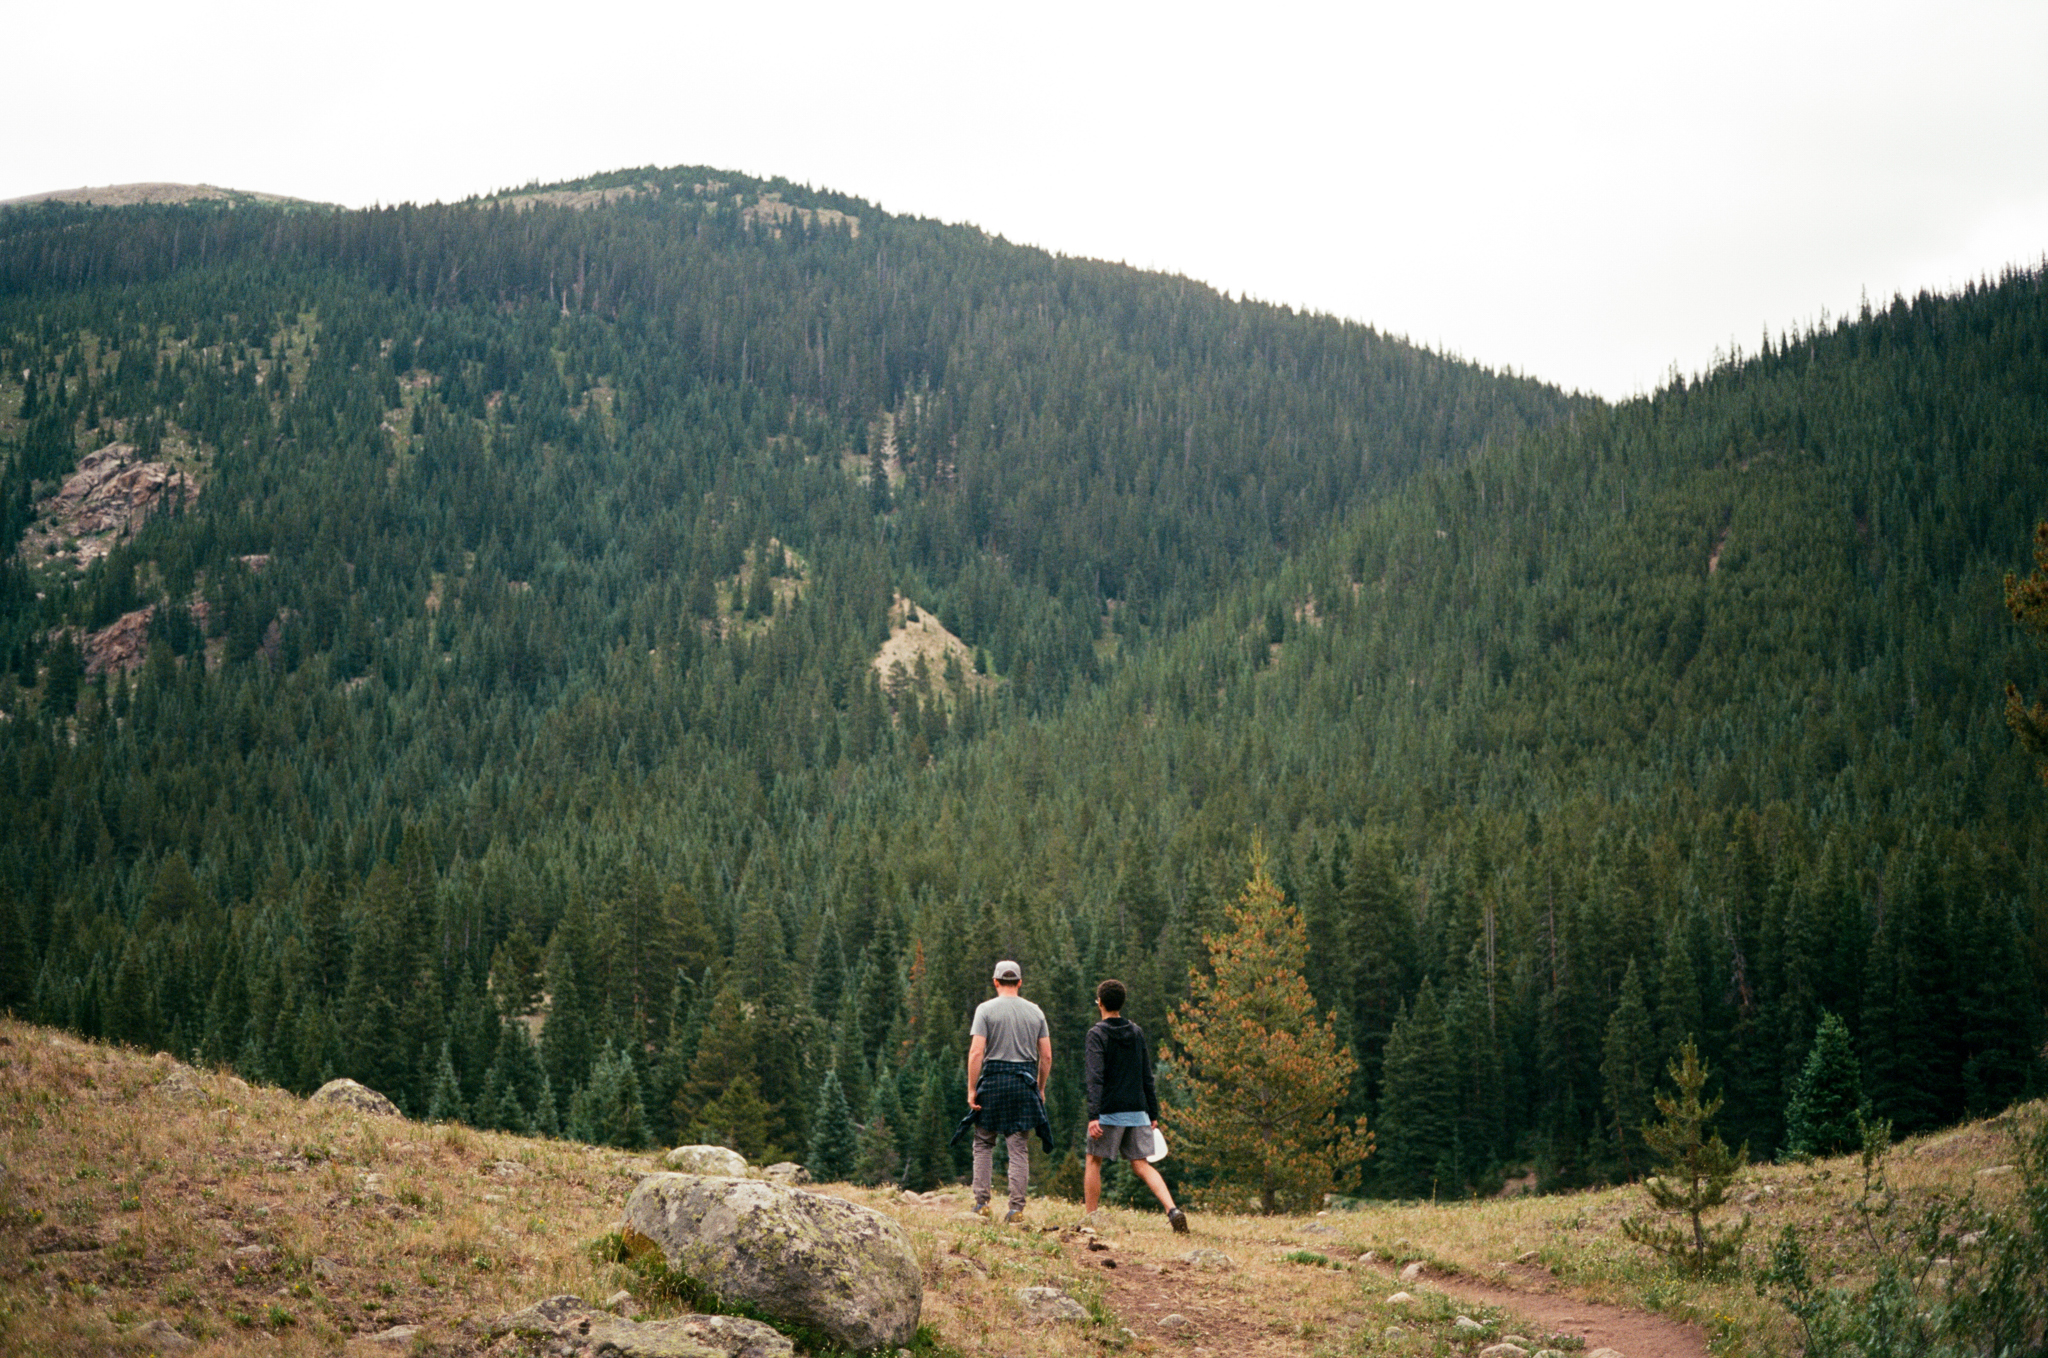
(1590, 193)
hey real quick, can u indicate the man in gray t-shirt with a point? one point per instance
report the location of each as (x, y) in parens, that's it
(1009, 1057)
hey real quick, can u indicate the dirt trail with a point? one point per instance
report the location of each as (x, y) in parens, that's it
(1635, 1334)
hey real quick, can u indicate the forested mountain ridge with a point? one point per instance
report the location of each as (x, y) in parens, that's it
(1573, 728)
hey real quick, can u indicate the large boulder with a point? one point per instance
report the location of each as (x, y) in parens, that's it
(349, 1094)
(794, 1256)
(707, 1160)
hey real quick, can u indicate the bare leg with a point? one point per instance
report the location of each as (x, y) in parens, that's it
(1144, 1170)
(1091, 1182)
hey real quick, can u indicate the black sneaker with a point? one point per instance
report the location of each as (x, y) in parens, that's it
(1179, 1220)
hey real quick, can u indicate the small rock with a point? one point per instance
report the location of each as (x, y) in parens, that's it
(618, 1301)
(1412, 1272)
(636, 1168)
(713, 1160)
(159, 1335)
(1049, 1304)
(1208, 1259)
(1173, 1320)
(1467, 1325)
(494, 1197)
(373, 1185)
(397, 1334)
(1317, 1228)
(1393, 1332)
(974, 1218)
(1400, 1299)
(1517, 1340)
(1604, 1353)
(180, 1087)
(787, 1172)
(1503, 1350)
(1993, 1171)
(505, 1169)
(252, 1256)
(1550, 1353)
(1528, 1256)
(967, 1268)
(349, 1094)
(325, 1269)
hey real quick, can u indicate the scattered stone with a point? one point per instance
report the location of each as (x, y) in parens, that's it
(1174, 1320)
(618, 1301)
(180, 1087)
(1393, 1332)
(713, 1160)
(396, 1335)
(348, 1094)
(1467, 1325)
(1317, 1228)
(637, 1168)
(787, 1172)
(1049, 1304)
(1400, 1299)
(374, 1185)
(1604, 1353)
(795, 1256)
(580, 1329)
(494, 1197)
(1412, 1272)
(1550, 1353)
(972, 1218)
(325, 1269)
(1503, 1350)
(1208, 1259)
(1515, 1339)
(955, 1264)
(1528, 1256)
(252, 1256)
(505, 1169)
(160, 1336)
(1993, 1171)
(1369, 1257)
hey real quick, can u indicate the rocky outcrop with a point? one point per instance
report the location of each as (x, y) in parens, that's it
(349, 1094)
(122, 645)
(706, 1160)
(579, 1328)
(787, 1172)
(105, 499)
(793, 1256)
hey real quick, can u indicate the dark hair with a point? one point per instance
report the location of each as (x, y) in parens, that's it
(1110, 995)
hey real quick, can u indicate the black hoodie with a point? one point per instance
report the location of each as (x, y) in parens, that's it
(1119, 1070)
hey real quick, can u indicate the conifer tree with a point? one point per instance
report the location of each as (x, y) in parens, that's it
(1417, 1123)
(1262, 1071)
(929, 1163)
(1694, 1169)
(1628, 1070)
(879, 1160)
(1825, 1116)
(445, 1103)
(835, 1137)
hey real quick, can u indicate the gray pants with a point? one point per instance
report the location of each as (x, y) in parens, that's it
(1019, 1144)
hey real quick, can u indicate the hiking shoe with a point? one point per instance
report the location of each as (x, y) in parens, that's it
(1179, 1219)
(1013, 1216)
(981, 1210)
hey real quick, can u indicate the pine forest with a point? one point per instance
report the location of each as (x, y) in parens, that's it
(621, 660)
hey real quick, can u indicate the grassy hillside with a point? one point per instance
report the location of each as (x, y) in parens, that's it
(139, 1190)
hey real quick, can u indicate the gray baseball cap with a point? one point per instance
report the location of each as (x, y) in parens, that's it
(1009, 971)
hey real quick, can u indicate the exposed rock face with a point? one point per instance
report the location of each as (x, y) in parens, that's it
(707, 1160)
(787, 1172)
(106, 499)
(794, 1256)
(349, 1094)
(580, 1328)
(122, 645)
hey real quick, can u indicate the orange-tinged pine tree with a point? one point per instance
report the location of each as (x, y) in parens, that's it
(1265, 1072)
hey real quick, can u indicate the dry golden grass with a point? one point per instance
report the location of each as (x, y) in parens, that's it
(253, 1222)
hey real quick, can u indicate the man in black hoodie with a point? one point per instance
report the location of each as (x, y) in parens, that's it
(1123, 1108)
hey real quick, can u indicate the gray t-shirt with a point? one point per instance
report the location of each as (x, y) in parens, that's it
(1012, 1025)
